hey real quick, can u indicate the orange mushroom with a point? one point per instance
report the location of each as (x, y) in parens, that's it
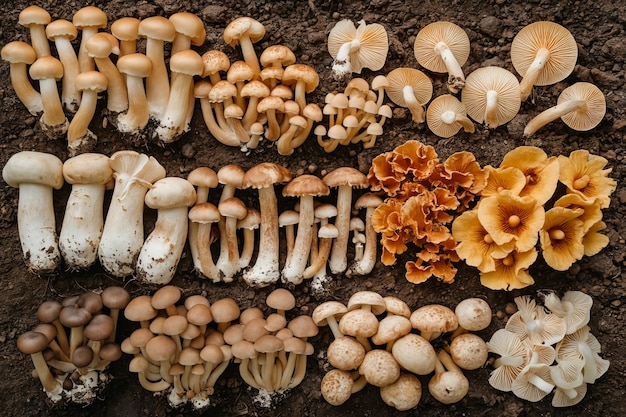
(584, 174)
(561, 237)
(540, 171)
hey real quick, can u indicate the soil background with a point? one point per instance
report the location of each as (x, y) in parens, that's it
(599, 29)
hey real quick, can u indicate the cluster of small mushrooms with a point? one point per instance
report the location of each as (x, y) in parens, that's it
(387, 354)
(549, 348)
(183, 348)
(74, 344)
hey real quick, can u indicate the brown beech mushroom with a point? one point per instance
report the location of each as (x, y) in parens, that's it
(446, 115)
(581, 106)
(201, 217)
(62, 32)
(35, 19)
(88, 20)
(47, 71)
(19, 54)
(245, 31)
(126, 29)
(491, 95)
(410, 88)
(543, 53)
(443, 47)
(79, 137)
(33, 343)
(356, 48)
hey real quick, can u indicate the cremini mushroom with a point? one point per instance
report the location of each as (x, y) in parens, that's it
(581, 106)
(19, 55)
(355, 48)
(443, 47)
(35, 19)
(491, 95)
(88, 20)
(47, 70)
(328, 313)
(62, 32)
(446, 115)
(543, 53)
(36, 174)
(410, 88)
(79, 137)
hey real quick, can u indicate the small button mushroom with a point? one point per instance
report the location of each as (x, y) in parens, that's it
(224, 311)
(269, 345)
(469, 351)
(410, 88)
(415, 354)
(367, 300)
(100, 47)
(434, 319)
(345, 353)
(35, 18)
(328, 313)
(231, 209)
(365, 265)
(96, 332)
(140, 309)
(473, 314)
(361, 324)
(404, 394)
(448, 385)
(126, 30)
(248, 224)
(19, 54)
(201, 218)
(165, 298)
(115, 298)
(189, 31)
(337, 386)
(36, 174)
(379, 368)
(390, 329)
(281, 300)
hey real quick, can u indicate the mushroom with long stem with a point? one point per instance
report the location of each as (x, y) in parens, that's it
(19, 54)
(35, 18)
(88, 20)
(245, 31)
(100, 47)
(48, 70)
(135, 67)
(62, 32)
(79, 137)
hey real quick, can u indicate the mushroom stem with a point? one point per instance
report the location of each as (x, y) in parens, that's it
(296, 264)
(52, 110)
(414, 106)
(24, 89)
(78, 134)
(320, 260)
(174, 118)
(341, 64)
(491, 109)
(137, 115)
(540, 383)
(70, 96)
(39, 40)
(228, 138)
(249, 54)
(530, 78)
(553, 113)
(157, 83)
(117, 94)
(338, 256)
(456, 78)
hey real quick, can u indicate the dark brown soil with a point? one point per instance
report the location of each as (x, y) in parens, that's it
(597, 25)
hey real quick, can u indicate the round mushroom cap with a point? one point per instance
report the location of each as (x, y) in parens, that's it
(190, 25)
(484, 80)
(48, 311)
(89, 16)
(74, 317)
(101, 45)
(203, 177)
(243, 26)
(442, 113)
(304, 185)
(140, 309)
(473, 314)
(91, 301)
(415, 354)
(359, 323)
(369, 300)
(345, 353)
(268, 344)
(265, 174)
(336, 386)
(186, 62)
(189, 356)
(256, 89)
(394, 305)
(591, 114)
(18, 52)
(175, 325)
(278, 55)
(240, 71)
(303, 326)
(255, 328)
(204, 213)
(328, 309)
(434, 318)
(33, 167)
(157, 27)
(32, 342)
(125, 28)
(391, 328)
(46, 67)
(214, 61)
(171, 192)
(400, 78)
(199, 315)
(34, 15)
(82, 356)
(281, 299)
(225, 310)
(115, 297)
(448, 387)
(251, 221)
(428, 38)
(110, 352)
(136, 65)
(233, 207)
(301, 73)
(161, 348)
(91, 81)
(379, 368)
(345, 176)
(165, 297)
(88, 168)
(469, 351)
(61, 28)
(100, 327)
(403, 394)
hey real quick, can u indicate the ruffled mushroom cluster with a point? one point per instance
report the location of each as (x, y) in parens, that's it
(500, 236)
(423, 196)
(547, 349)
(74, 344)
(182, 349)
(387, 353)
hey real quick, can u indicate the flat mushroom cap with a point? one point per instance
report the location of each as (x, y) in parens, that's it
(485, 79)
(434, 318)
(346, 176)
(590, 115)
(545, 35)
(243, 26)
(430, 35)
(372, 39)
(369, 300)
(402, 77)
(158, 28)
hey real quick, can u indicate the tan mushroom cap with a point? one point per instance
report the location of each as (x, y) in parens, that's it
(189, 25)
(403, 394)
(265, 174)
(336, 386)
(140, 309)
(368, 300)
(18, 52)
(92, 81)
(277, 55)
(328, 309)
(214, 61)
(358, 323)
(125, 28)
(186, 62)
(61, 28)
(403, 81)
(372, 41)
(136, 65)
(434, 318)
(473, 314)
(491, 81)
(171, 192)
(281, 299)
(304, 185)
(225, 310)
(301, 72)
(243, 26)
(345, 353)
(430, 35)
(46, 67)
(390, 329)
(446, 115)
(415, 354)
(165, 297)
(394, 305)
(157, 27)
(469, 351)
(89, 16)
(34, 15)
(379, 368)
(346, 176)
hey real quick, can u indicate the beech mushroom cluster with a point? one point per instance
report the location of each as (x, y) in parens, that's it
(355, 116)
(387, 353)
(182, 348)
(549, 348)
(74, 344)
(500, 236)
(423, 195)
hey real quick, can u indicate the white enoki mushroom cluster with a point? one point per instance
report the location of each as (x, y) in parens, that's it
(183, 348)
(74, 344)
(549, 348)
(355, 116)
(387, 354)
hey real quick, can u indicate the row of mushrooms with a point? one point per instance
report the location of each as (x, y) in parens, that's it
(547, 348)
(75, 343)
(185, 213)
(183, 347)
(386, 353)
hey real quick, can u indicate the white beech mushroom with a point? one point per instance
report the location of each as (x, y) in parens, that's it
(355, 48)
(410, 88)
(35, 18)
(88, 20)
(48, 70)
(123, 236)
(364, 266)
(160, 253)
(62, 32)
(135, 67)
(19, 54)
(89, 174)
(79, 137)
(581, 106)
(36, 174)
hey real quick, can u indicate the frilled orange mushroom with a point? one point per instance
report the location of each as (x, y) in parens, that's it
(462, 170)
(592, 213)
(584, 174)
(475, 244)
(500, 179)
(387, 221)
(593, 241)
(561, 237)
(433, 260)
(420, 215)
(508, 217)
(511, 272)
(541, 172)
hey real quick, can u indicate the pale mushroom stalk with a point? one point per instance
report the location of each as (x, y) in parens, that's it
(53, 115)
(157, 83)
(365, 265)
(338, 262)
(456, 78)
(174, 118)
(341, 64)
(450, 117)
(204, 239)
(79, 137)
(532, 73)
(137, 115)
(491, 109)
(227, 138)
(414, 106)
(24, 89)
(320, 260)
(70, 96)
(117, 93)
(293, 270)
(554, 113)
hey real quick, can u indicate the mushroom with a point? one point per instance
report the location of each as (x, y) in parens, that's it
(135, 67)
(356, 48)
(574, 307)
(263, 177)
(305, 79)
(19, 54)
(62, 32)
(345, 353)
(160, 253)
(231, 209)
(126, 29)
(410, 88)
(122, 235)
(543, 53)
(96, 332)
(140, 309)
(140, 365)
(48, 313)
(35, 18)
(514, 355)
(344, 178)
(390, 329)
(281, 300)
(48, 70)
(337, 386)
(415, 354)
(224, 311)
(585, 176)
(364, 266)
(446, 115)
(157, 30)
(88, 20)
(448, 385)
(79, 137)
(201, 218)
(443, 47)
(582, 345)
(434, 319)
(379, 368)
(533, 323)
(189, 31)
(317, 268)
(581, 106)
(115, 298)
(403, 394)
(245, 31)
(539, 169)
(89, 174)
(473, 314)
(36, 174)
(534, 381)
(33, 343)
(561, 237)
(469, 351)
(491, 95)
(100, 47)
(327, 313)
(361, 324)
(249, 224)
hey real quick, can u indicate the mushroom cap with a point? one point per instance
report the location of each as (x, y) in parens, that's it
(346, 176)
(74, 316)
(199, 314)
(165, 297)
(328, 309)
(48, 311)
(368, 200)
(439, 112)
(256, 89)
(345, 353)
(240, 71)
(265, 174)
(281, 299)
(390, 329)
(593, 112)
(379, 368)
(415, 354)
(372, 40)
(125, 28)
(136, 65)
(91, 301)
(175, 325)
(46, 67)
(213, 354)
(33, 167)
(101, 45)
(140, 309)
(268, 343)
(431, 35)
(110, 352)
(61, 28)
(448, 387)
(545, 35)
(243, 26)
(186, 62)
(274, 322)
(469, 351)
(32, 342)
(89, 16)
(203, 177)
(303, 326)
(370, 300)
(277, 54)
(254, 329)
(99, 327)
(91, 81)
(304, 185)
(88, 168)
(251, 221)
(359, 323)
(394, 305)
(403, 77)
(34, 15)
(189, 356)
(157, 27)
(336, 386)
(434, 318)
(403, 394)
(473, 314)
(485, 79)
(82, 356)
(204, 213)
(231, 174)
(574, 307)
(190, 25)
(18, 52)
(225, 310)
(295, 73)
(232, 207)
(115, 297)
(214, 61)
(171, 192)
